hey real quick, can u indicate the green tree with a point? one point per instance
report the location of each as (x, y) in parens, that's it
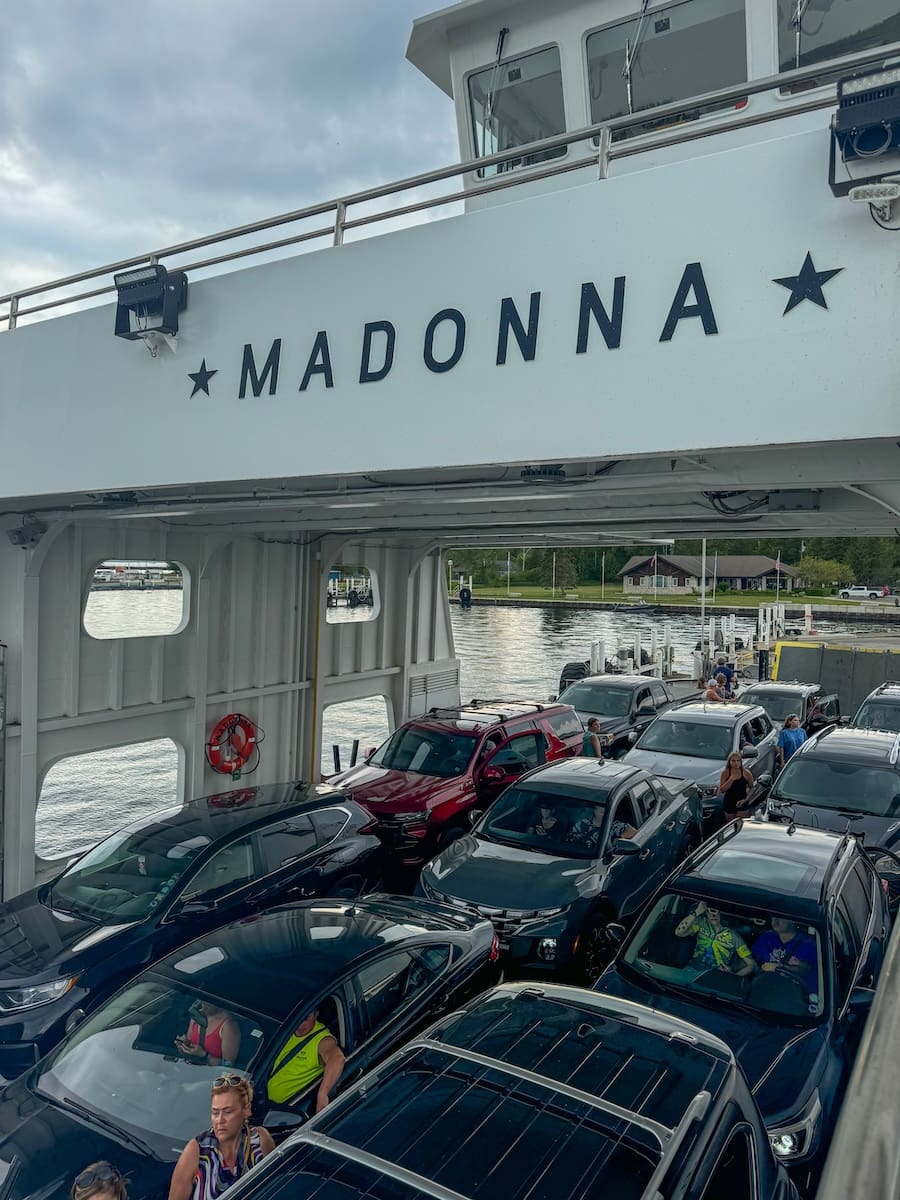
(823, 572)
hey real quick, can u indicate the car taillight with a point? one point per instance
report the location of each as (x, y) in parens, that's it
(495, 949)
(370, 823)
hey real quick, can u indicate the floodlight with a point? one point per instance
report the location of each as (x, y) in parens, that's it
(866, 127)
(149, 301)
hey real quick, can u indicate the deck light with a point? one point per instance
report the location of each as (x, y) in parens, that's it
(866, 126)
(149, 301)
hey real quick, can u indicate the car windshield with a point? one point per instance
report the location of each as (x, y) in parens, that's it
(426, 752)
(876, 714)
(778, 705)
(694, 739)
(847, 786)
(728, 957)
(604, 699)
(128, 875)
(125, 1063)
(564, 826)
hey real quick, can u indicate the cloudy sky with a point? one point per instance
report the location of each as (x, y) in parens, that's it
(126, 126)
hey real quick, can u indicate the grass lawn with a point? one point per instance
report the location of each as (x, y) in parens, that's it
(614, 595)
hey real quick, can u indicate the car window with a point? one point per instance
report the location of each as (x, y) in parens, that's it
(565, 724)
(746, 735)
(659, 694)
(831, 707)
(856, 894)
(846, 953)
(426, 752)
(643, 801)
(642, 699)
(760, 726)
(604, 699)
(521, 753)
(693, 739)
(328, 823)
(284, 843)
(878, 714)
(229, 868)
(559, 825)
(289, 1075)
(845, 786)
(395, 981)
(734, 1172)
(778, 705)
(625, 814)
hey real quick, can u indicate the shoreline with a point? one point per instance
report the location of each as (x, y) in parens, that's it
(882, 614)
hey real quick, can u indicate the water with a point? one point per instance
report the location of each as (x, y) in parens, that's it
(510, 653)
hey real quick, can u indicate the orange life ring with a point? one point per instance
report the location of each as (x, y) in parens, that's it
(231, 744)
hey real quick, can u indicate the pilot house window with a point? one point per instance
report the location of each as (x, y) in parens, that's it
(515, 102)
(671, 53)
(811, 31)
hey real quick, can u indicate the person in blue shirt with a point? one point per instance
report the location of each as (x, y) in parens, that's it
(790, 738)
(723, 668)
(785, 948)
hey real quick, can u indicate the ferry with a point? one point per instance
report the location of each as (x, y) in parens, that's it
(657, 295)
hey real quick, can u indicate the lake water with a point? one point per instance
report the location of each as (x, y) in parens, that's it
(513, 653)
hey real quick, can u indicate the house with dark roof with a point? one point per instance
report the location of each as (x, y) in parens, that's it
(679, 574)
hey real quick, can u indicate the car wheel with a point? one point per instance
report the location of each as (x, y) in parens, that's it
(845, 595)
(595, 951)
(873, 595)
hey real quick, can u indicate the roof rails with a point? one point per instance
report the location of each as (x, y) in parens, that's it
(486, 708)
(419, 1183)
(534, 704)
(895, 751)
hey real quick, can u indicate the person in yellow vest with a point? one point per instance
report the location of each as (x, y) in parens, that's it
(310, 1052)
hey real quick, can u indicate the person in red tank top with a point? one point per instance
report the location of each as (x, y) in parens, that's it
(212, 1036)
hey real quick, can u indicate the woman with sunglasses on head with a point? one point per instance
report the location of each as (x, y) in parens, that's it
(99, 1181)
(211, 1162)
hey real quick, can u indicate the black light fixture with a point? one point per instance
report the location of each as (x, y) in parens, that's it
(149, 301)
(866, 130)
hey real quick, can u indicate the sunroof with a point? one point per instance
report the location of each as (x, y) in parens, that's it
(733, 865)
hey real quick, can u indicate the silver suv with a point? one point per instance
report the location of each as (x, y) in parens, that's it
(858, 592)
(693, 742)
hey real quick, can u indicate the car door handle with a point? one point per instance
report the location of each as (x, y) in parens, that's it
(645, 853)
(668, 828)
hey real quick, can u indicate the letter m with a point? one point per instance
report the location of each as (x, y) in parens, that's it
(269, 371)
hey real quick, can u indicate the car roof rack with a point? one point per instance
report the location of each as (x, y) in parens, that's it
(532, 704)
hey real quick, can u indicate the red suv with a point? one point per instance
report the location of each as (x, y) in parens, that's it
(432, 772)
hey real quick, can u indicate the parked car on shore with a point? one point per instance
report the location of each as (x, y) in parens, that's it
(423, 782)
(570, 849)
(815, 707)
(118, 1087)
(693, 742)
(151, 887)
(533, 1092)
(858, 591)
(771, 938)
(621, 703)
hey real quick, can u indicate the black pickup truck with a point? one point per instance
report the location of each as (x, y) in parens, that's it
(622, 704)
(533, 1091)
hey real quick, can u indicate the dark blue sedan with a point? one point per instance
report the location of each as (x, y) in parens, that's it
(771, 938)
(65, 946)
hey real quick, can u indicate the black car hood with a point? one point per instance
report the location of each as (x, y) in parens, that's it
(40, 942)
(499, 876)
(42, 1147)
(782, 1063)
(875, 831)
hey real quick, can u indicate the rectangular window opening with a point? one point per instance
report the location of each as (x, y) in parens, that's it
(516, 102)
(679, 52)
(817, 31)
(131, 598)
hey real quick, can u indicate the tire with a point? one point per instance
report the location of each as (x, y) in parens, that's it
(595, 952)
(873, 595)
(844, 595)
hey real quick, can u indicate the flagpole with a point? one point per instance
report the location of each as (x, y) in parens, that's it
(655, 569)
(778, 577)
(715, 575)
(702, 596)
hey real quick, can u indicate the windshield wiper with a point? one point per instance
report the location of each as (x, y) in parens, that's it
(95, 1118)
(69, 911)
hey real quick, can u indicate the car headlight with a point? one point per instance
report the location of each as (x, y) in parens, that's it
(709, 793)
(408, 818)
(796, 1139)
(14, 999)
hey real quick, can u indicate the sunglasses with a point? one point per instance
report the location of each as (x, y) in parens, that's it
(104, 1173)
(231, 1081)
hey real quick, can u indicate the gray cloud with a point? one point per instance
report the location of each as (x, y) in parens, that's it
(128, 126)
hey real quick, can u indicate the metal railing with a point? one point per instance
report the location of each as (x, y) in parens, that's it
(601, 153)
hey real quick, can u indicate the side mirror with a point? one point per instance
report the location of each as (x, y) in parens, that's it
(371, 750)
(861, 999)
(631, 737)
(615, 932)
(625, 847)
(473, 816)
(551, 699)
(492, 774)
(193, 908)
(646, 710)
(749, 752)
(765, 779)
(75, 1017)
(280, 1122)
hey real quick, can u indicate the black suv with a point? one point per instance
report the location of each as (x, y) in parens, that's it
(534, 1092)
(565, 852)
(847, 779)
(809, 701)
(622, 703)
(66, 945)
(771, 938)
(880, 709)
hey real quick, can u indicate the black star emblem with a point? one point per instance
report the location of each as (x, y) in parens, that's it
(201, 379)
(807, 285)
